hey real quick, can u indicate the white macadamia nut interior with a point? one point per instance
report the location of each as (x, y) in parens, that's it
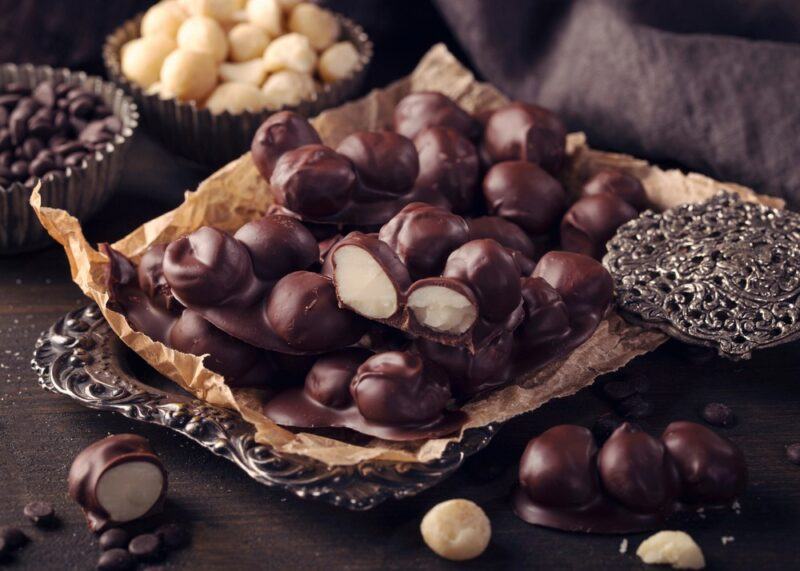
(163, 19)
(675, 548)
(456, 529)
(362, 284)
(247, 41)
(143, 58)
(204, 34)
(128, 490)
(220, 10)
(235, 97)
(288, 88)
(188, 75)
(338, 62)
(267, 15)
(251, 72)
(442, 309)
(291, 51)
(319, 25)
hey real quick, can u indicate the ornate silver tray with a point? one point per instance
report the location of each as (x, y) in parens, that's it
(80, 357)
(724, 273)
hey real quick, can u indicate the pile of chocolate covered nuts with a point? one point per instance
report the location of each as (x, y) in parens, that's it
(402, 273)
(237, 55)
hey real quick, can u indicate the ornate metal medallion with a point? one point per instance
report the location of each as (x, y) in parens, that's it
(80, 357)
(724, 273)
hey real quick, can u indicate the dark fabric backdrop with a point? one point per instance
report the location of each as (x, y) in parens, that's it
(706, 85)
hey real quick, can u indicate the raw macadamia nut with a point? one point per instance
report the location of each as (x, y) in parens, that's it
(163, 19)
(265, 14)
(203, 34)
(338, 62)
(456, 529)
(235, 97)
(251, 72)
(188, 75)
(287, 88)
(675, 548)
(247, 42)
(292, 51)
(288, 5)
(319, 25)
(220, 10)
(143, 58)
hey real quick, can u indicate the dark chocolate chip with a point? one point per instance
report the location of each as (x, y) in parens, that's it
(635, 407)
(114, 538)
(40, 166)
(40, 513)
(173, 535)
(718, 414)
(618, 390)
(146, 547)
(604, 426)
(793, 453)
(31, 147)
(13, 538)
(116, 560)
(19, 169)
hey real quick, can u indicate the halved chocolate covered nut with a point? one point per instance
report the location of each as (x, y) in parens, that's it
(278, 246)
(385, 161)
(442, 306)
(625, 186)
(417, 111)
(370, 279)
(116, 480)
(449, 165)
(281, 132)
(592, 221)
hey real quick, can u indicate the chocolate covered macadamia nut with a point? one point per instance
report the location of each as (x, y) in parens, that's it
(457, 530)
(328, 381)
(449, 165)
(625, 186)
(592, 221)
(319, 25)
(290, 51)
(143, 58)
(385, 161)
(189, 75)
(417, 111)
(278, 245)
(339, 61)
(281, 132)
(582, 282)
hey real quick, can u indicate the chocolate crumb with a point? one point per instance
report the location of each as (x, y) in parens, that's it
(40, 513)
(116, 559)
(793, 453)
(718, 414)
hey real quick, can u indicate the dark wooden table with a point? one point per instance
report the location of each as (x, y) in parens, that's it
(238, 524)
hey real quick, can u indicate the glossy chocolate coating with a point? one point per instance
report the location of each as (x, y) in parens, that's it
(449, 165)
(241, 364)
(385, 161)
(582, 282)
(150, 272)
(503, 231)
(315, 181)
(206, 266)
(546, 316)
(328, 381)
(281, 132)
(712, 468)
(558, 467)
(396, 388)
(417, 111)
(525, 194)
(637, 471)
(97, 458)
(278, 245)
(423, 236)
(592, 221)
(521, 131)
(490, 271)
(303, 311)
(625, 186)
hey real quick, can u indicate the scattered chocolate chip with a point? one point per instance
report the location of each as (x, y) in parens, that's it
(116, 560)
(12, 538)
(173, 536)
(793, 453)
(618, 390)
(604, 426)
(635, 407)
(114, 538)
(146, 547)
(40, 513)
(718, 414)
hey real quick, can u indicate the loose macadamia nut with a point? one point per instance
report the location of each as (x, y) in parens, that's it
(291, 51)
(319, 25)
(246, 72)
(674, 548)
(247, 42)
(143, 58)
(456, 529)
(163, 19)
(338, 62)
(287, 88)
(220, 10)
(267, 15)
(235, 97)
(203, 34)
(188, 75)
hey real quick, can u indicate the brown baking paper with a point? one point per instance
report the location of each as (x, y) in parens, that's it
(237, 194)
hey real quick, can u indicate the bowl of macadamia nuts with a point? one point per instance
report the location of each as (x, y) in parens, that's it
(206, 73)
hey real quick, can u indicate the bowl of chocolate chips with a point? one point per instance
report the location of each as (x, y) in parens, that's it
(65, 131)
